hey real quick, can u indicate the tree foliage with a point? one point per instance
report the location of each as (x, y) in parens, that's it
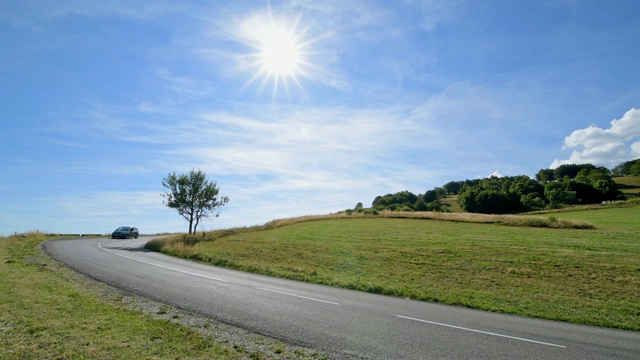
(628, 168)
(570, 171)
(408, 201)
(400, 198)
(454, 187)
(193, 196)
(565, 185)
(552, 188)
(496, 195)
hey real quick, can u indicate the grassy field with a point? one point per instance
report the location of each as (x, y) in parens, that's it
(49, 312)
(588, 276)
(630, 185)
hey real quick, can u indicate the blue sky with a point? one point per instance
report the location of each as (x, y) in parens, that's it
(299, 107)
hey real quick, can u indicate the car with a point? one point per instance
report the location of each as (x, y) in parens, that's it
(125, 232)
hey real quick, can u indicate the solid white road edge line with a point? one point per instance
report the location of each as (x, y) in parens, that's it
(162, 266)
(298, 296)
(211, 277)
(480, 331)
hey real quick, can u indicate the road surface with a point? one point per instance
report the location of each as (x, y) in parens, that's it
(343, 323)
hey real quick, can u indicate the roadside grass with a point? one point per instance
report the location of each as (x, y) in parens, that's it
(581, 274)
(48, 312)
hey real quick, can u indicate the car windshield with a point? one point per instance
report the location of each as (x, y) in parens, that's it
(122, 228)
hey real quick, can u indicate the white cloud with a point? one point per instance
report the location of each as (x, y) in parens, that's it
(606, 147)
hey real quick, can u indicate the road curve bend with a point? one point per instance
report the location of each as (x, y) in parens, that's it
(343, 323)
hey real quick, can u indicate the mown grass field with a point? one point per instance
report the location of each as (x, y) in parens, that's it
(630, 185)
(588, 276)
(48, 312)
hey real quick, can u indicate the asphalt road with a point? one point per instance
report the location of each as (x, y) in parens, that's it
(345, 324)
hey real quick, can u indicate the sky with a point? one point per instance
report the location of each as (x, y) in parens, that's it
(299, 107)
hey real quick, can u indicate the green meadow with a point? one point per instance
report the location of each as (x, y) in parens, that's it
(575, 266)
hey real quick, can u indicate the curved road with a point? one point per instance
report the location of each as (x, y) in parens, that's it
(342, 323)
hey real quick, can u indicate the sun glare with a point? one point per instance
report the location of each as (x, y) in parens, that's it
(280, 55)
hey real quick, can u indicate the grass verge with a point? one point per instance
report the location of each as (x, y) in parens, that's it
(49, 311)
(568, 273)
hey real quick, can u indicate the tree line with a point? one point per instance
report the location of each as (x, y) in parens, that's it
(627, 168)
(552, 188)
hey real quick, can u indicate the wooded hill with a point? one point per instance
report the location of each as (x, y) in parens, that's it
(552, 188)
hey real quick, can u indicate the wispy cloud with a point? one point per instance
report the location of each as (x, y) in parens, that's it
(390, 141)
(37, 15)
(309, 137)
(308, 161)
(436, 12)
(140, 10)
(607, 147)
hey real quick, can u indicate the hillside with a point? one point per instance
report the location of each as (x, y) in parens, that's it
(629, 185)
(567, 185)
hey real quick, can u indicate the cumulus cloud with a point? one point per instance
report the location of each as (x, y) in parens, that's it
(606, 147)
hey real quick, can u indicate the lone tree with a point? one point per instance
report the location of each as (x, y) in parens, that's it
(193, 196)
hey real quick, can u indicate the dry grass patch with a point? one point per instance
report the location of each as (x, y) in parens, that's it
(509, 220)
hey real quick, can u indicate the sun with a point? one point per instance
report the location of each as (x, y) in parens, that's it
(280, 55)
(280, 51)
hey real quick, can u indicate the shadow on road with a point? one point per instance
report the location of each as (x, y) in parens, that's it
(132, 249)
